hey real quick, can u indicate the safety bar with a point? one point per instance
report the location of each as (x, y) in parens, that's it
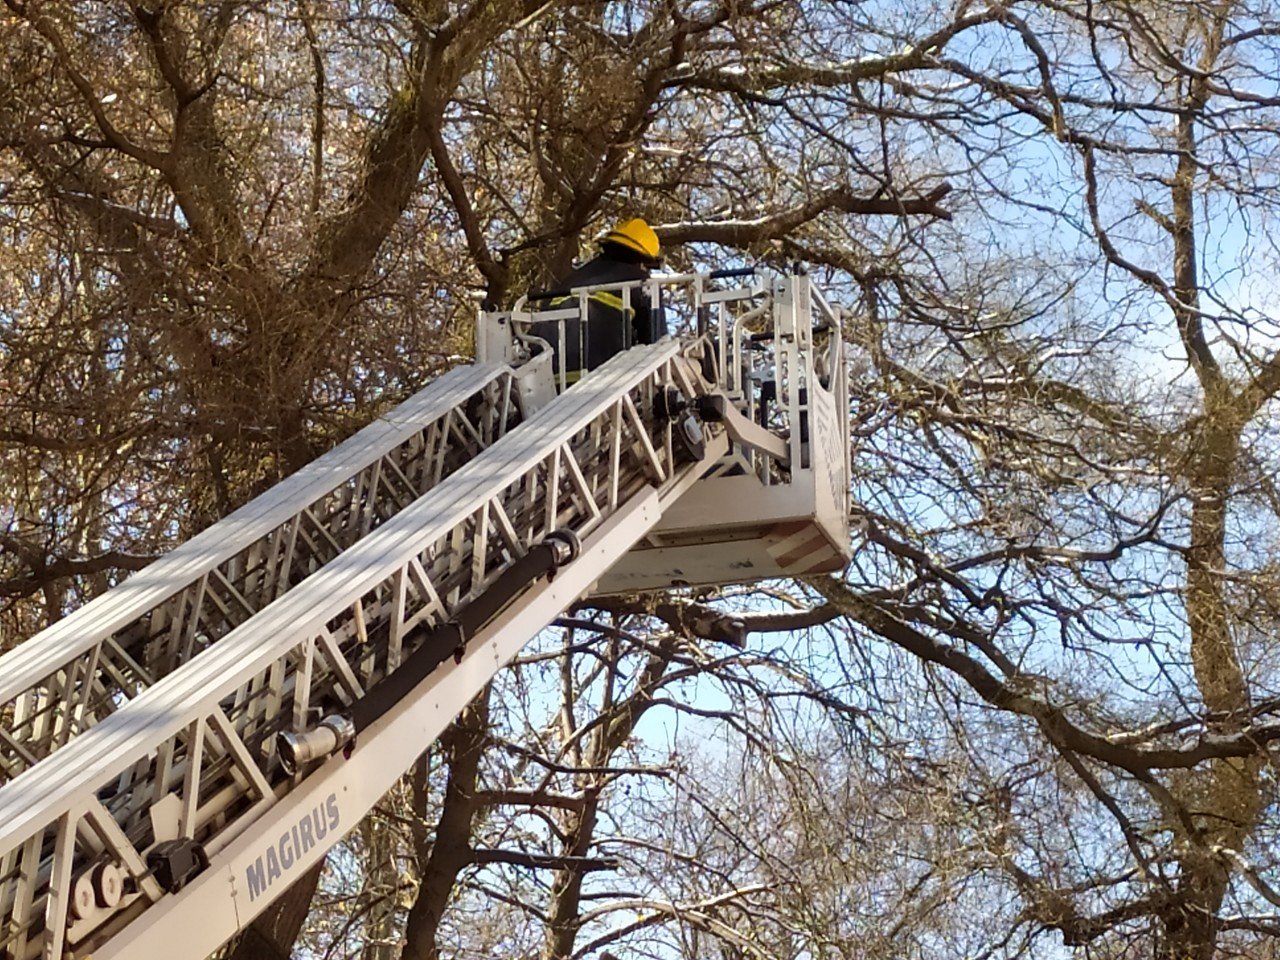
(693, 292)
(762, 340)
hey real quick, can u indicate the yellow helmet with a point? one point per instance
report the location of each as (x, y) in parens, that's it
(635, 235)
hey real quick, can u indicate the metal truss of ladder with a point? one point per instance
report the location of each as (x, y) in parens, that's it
(190, 765)
(69, 677)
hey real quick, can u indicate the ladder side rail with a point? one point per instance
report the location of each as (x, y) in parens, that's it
(163, 720)
(240, 882)
(219, 541)
(551, 429)
(67, 677)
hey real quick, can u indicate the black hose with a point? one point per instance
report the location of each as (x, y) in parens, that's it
(438, 643)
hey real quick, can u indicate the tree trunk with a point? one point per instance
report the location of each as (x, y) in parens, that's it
(273, 934)
(1220, 804)
(450, 852)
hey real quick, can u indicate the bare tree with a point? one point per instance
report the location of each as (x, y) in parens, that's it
(232, 233)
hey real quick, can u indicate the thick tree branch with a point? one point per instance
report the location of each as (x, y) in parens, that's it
(743, 233)
(539, 861)
(915, 56)
(451, 850)
(43, 572)
(1052, 720)
(529, 798)
(45, 26)
(412, 130)
(711, 623)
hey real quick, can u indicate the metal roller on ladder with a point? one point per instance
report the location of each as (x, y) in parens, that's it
(202, 734)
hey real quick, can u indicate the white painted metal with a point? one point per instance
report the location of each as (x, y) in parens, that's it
(760, 516)
(222, 900)
(777, 504)
(151, 715)
(206, 733)
(66, 678)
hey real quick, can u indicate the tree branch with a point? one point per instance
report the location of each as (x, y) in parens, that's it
(60, 568)
(742, 233)
(1051, 719)
(540, 861)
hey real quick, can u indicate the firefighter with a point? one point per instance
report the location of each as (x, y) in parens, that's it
(628, 252)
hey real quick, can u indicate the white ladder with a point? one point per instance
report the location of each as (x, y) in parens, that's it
(172, 820)
(83, 668)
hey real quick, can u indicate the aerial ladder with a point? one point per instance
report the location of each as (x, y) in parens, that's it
(176, 752)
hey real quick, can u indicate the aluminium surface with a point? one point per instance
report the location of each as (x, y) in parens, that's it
(735, 530)
(222, 899)
(197, 691)
(66, 678)
(33, 660)
(43, 793)
(602, 424)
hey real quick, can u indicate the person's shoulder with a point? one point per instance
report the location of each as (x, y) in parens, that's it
(603, 269)
(618, 270)
(580, 270)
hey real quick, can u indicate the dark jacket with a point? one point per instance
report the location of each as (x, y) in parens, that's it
(608, 331)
